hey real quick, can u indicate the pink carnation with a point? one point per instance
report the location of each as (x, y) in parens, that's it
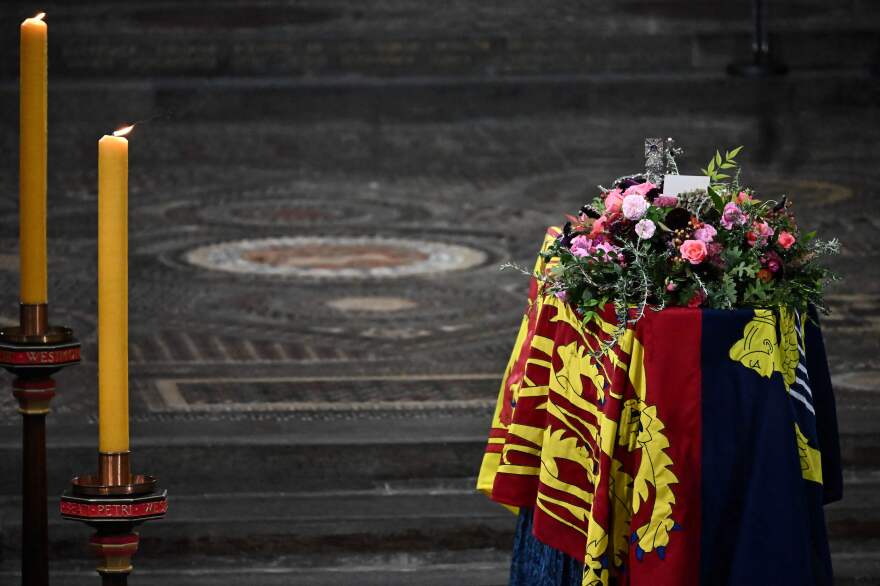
(581, 246)
(584, 246)
(732, 216)
(706, 233)
(694, 251)
(645, 229)
(634, 206)
(607, 248)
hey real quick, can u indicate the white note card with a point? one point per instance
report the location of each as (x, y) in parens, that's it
(675, 184)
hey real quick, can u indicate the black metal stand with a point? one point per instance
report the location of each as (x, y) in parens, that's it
(33, 352)
(762, 64)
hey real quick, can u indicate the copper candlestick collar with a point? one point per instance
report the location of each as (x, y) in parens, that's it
(34, 328)
(114, 478)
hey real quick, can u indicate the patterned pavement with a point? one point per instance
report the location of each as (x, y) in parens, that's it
(235, 309)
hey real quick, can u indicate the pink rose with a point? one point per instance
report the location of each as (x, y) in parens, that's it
(562, 296)
(694, 251)
(732, 216)
(786, 240)
(634, 206)
(706, 233)
(639, 189)
(613, 201)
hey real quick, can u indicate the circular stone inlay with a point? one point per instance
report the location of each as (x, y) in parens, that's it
(336, 257)
(808, 192)
(371, 304)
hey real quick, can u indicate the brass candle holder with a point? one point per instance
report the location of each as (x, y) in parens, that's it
(114, 502)
(34, 351)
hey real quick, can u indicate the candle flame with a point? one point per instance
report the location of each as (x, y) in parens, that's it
(123, 131)
(40, 16)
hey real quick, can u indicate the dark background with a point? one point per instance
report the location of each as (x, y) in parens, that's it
(327, 430)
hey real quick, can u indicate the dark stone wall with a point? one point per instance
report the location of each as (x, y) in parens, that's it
(397, 38)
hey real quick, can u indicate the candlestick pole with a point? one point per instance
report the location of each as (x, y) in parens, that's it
(762, 63)
(33, 352)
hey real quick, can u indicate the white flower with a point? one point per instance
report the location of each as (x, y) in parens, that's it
(645, 229)
(634, 207)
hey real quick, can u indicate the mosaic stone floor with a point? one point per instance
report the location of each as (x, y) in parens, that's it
(235, 310)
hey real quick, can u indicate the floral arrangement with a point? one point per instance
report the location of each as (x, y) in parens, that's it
(721, 247)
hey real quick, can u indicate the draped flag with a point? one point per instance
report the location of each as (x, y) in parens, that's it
(698, 451)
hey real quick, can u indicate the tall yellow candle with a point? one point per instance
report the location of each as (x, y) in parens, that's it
(113, 293)
(32, 160)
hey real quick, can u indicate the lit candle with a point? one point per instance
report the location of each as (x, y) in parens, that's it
(113, 292)
(32, 160)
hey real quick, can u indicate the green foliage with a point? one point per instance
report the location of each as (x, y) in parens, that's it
(716, 198)
(718, 164)
(744, 271)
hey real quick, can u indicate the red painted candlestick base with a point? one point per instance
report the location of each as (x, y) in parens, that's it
(114, 502)
(33, 352)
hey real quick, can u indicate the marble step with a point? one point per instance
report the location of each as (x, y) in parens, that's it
(329, 522)
(470, 567)
(395, 39)
(473, 568)
(268, 455)
(441, 516)
(281, 456)
(478, 568)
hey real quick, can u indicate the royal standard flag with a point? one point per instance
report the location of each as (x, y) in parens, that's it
(698, 451)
